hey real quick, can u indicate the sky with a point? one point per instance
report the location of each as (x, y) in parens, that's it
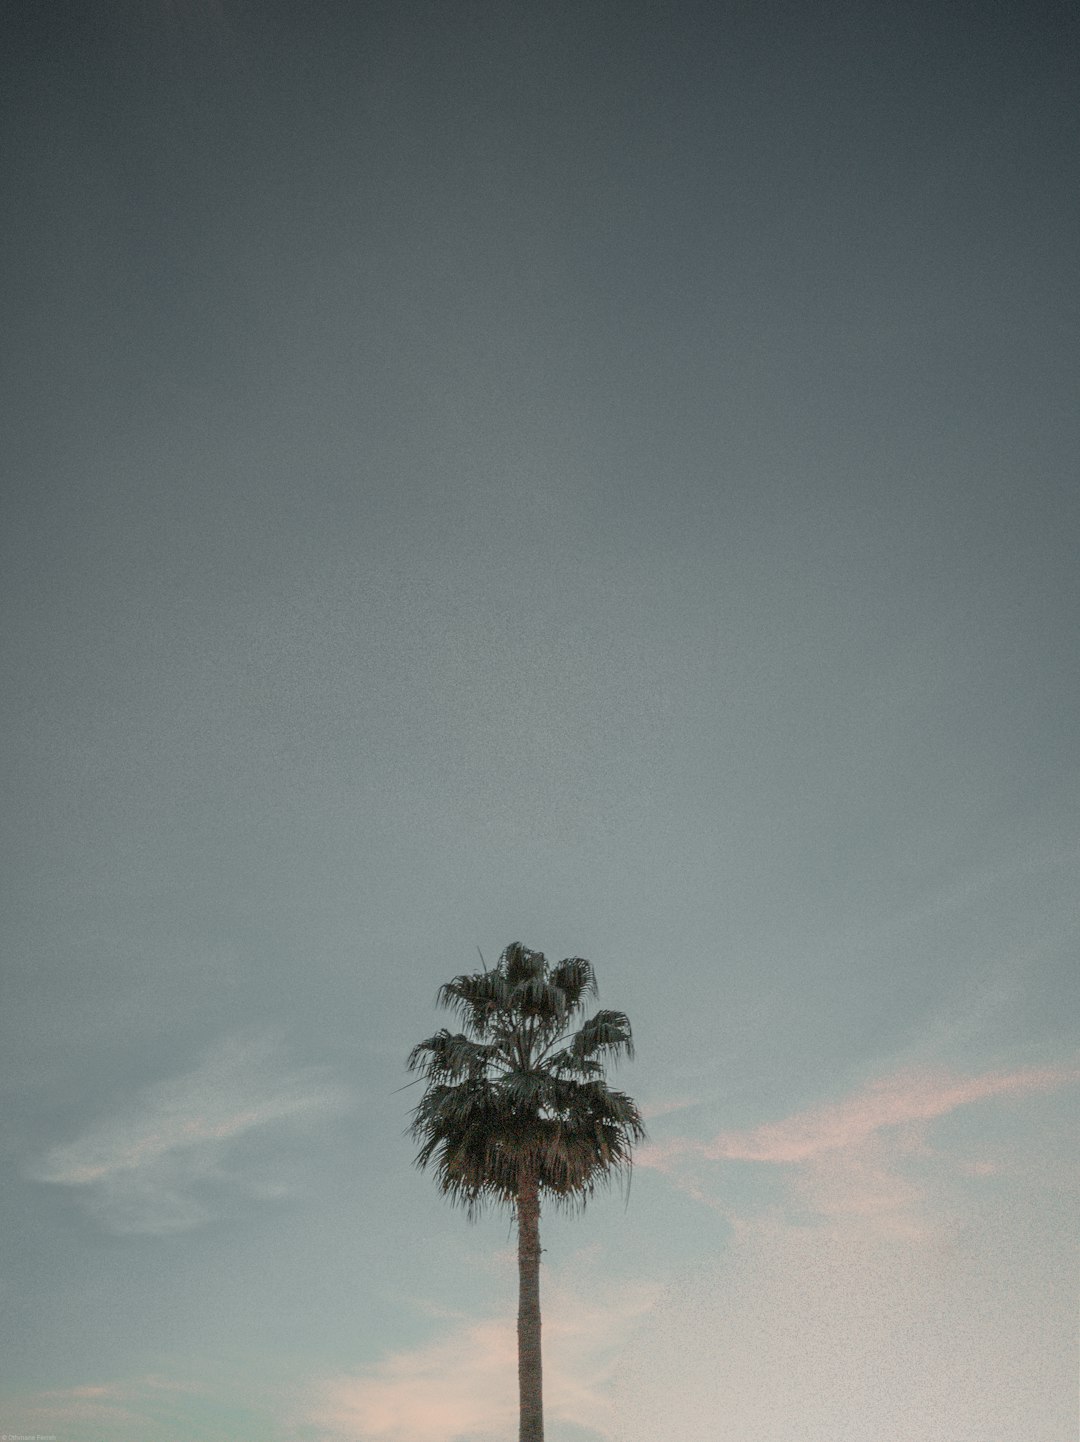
(602, 475)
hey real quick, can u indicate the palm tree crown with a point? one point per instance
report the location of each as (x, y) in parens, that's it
(520, 1094)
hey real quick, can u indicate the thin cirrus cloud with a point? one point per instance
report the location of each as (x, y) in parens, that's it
(135, 1408)
(120, 1410)
(167, 1161)
(900, 1099)
(462, 1384)
(849, 1161)
(651, 1110)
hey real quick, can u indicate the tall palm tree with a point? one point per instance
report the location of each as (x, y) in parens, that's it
(517, 1108)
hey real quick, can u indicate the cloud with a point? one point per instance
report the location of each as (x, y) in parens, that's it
(460, 1385)
(893, 1101)
(651, 1110)
(849, 1160)
(217, 1406)
(463, 1384)
(885, 1291)
(166, 1160)
(117, 1409)
(809, 1333)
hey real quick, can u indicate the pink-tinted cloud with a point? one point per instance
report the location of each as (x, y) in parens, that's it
(651, 1110)
(891, 1102)
(463, 1384)
(850, 1160)
(814, 1333)
(902, 1099)
(126, 1411)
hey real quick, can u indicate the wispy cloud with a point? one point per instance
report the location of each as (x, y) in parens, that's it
(164, 1161)
(118, 1409)
(135, 1408)
(463, 1384)
(844, 1159)
(816, 1332)
(651, 1110)
(892, 1101)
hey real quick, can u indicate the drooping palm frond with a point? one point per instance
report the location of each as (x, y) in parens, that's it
(447, 1057)
(607, 1034)
(521, 1093)
(575, 978)
(475, 999)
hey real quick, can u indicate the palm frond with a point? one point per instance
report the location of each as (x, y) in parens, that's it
(521, 965)
(606, 1034)
(575, 978)
(445, 1056)
(475, 998)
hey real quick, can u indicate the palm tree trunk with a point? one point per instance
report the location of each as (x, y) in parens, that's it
(530, 1367)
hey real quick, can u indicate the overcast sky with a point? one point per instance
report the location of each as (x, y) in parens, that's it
(596, 474)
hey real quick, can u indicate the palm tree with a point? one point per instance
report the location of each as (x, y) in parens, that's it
(517, 1107)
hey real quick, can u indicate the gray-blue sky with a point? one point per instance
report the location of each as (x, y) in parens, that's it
(570, 473)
